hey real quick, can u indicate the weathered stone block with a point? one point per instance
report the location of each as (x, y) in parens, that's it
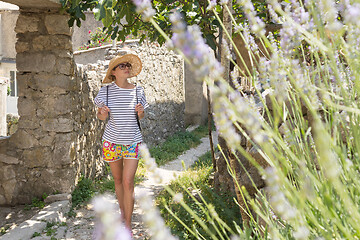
(9, 189)
(23, 81)
(38, 157)
(57, 125)
(28, 122)
(2, 199)
(50, 83)
(57, 24)
(27, 23)
(26, 107)
(8, 159)
(22, 46)
(3, 144)
(23, 140)
(58, 105)
(65, 66)
(35, 62)
(47, 140)
(57, 197)
(7, 173)
(51, 42)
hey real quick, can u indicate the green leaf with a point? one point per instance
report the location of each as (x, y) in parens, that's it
(71, 22)
(78, 23)
(100, 13)
(211, 41)
(75, 3)
(108, 20)
(128, 15)
(109, 3)
(122, 12)
(114, 3)
(115, 31)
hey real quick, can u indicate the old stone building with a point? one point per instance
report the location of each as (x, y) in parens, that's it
(57, 137)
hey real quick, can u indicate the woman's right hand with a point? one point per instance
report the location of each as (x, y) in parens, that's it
(103, 113)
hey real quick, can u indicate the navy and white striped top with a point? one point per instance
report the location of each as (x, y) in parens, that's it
(122, 127)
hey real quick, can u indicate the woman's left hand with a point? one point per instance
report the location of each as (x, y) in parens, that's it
(140, 110)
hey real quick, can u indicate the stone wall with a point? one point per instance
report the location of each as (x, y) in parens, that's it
(52, 146)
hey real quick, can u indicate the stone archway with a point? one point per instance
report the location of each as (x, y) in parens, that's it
(45, 154)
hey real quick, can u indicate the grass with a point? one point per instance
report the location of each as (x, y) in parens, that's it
(191, 184)
(177, 144)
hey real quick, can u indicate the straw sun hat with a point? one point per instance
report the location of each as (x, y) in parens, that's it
(124, 57)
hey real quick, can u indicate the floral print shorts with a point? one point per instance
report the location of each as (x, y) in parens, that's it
(114, 152)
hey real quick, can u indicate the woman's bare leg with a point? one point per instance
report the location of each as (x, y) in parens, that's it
(117, 173)
(130, 166)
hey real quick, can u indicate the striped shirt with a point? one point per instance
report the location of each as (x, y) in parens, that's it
(121, 127)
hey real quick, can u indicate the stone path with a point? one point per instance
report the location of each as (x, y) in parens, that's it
(81, 226)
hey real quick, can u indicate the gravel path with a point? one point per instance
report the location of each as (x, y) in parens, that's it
(81, 226)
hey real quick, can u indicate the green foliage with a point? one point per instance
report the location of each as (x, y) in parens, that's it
(83, 192)
(4, 229)
(111, 13)
(204, 161)
(105, 185)
(37, 203)
(174, 146)
(8, 90)
(201, 131)
(49, 230)
(36, 234)
(194, 187)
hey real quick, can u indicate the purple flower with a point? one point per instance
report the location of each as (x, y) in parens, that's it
(212, 5)
(256, 24)
(145, 9)
(189, 42)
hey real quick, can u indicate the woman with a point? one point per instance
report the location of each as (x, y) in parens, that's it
(121, 101)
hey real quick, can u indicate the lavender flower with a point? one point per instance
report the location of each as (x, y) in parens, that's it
(145, 9)
(212, 5)
(153, 219)
(329, 13)
(234, 75)
(282, 206)
(249, 39)
(352, 14)
(110, 227)
(235, 108)
(226, 49)
(257, 25)
(190, 42)
(224, 2)
(150, 164)
(178, 197)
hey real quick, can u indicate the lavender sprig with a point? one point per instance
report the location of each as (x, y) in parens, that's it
(189, 42)
(144, 8)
